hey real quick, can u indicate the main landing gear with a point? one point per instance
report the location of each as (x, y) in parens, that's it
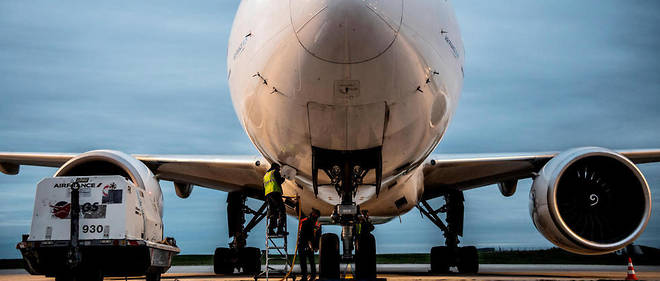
(239, 257)
(346, 170)
(465, 259)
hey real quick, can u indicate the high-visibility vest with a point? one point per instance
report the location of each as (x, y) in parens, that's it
(270, 183)
(359, 228)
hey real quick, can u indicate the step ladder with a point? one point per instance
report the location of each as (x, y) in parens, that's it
(276, 250)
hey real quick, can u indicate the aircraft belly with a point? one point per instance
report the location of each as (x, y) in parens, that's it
(397, 197)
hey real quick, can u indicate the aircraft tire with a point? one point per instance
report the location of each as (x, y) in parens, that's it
(468, 260)
(63, 276)
(329, 256)
(222, 261)
(365, 257)
(250, 258)
(440, 259)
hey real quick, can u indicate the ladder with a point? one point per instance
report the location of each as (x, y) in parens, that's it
(276, 250)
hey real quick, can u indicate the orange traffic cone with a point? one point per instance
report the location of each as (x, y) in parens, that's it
(631, 271)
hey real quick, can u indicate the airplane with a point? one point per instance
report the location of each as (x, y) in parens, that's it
(351, 98)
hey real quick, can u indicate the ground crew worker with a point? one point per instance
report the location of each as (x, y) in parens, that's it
(317, 234)
(273, 190)
(363, 226)
(306, 244)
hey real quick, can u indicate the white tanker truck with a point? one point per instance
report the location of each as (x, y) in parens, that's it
(86, 226)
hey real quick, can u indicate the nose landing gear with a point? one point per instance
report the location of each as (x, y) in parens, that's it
(354, 237)
(365, 257)
(346, 171)
(466, 259)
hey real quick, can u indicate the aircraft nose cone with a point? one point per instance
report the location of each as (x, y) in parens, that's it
(346, 31)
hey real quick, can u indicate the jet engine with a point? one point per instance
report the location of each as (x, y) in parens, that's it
(110, 162)
(590, 201)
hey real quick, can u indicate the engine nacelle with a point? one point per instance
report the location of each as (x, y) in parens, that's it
(590, 201)
(110, 162)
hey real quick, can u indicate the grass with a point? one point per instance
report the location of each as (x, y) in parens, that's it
(192, 260)
(547, 256)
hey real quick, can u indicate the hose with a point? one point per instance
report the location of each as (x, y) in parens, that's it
(295, 254)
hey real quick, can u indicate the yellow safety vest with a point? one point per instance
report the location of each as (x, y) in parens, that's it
(270, 184)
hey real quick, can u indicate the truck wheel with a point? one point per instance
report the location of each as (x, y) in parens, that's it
(250, 258)
(365, 257)
(153, 276)
(222, 261)
(329, 256)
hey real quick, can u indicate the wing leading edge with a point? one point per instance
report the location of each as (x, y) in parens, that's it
(225, 173)
(245, 173)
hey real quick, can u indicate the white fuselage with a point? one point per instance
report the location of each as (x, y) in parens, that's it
(347, 75)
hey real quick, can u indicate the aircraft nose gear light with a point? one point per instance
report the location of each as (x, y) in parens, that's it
(347, 210)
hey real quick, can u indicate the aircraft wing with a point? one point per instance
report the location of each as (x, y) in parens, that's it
(467, 171)
(225, 173)
(245, 173)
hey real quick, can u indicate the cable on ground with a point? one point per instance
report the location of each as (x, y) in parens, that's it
(295, 254)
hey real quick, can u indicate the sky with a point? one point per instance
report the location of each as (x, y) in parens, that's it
(150, 77)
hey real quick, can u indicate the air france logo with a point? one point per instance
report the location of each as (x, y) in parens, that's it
(61, 209)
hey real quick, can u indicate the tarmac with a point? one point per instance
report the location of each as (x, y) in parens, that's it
(401, 272)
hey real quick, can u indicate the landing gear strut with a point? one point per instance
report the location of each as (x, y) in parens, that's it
(246, 259)
(465, 259)
(346, 171)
